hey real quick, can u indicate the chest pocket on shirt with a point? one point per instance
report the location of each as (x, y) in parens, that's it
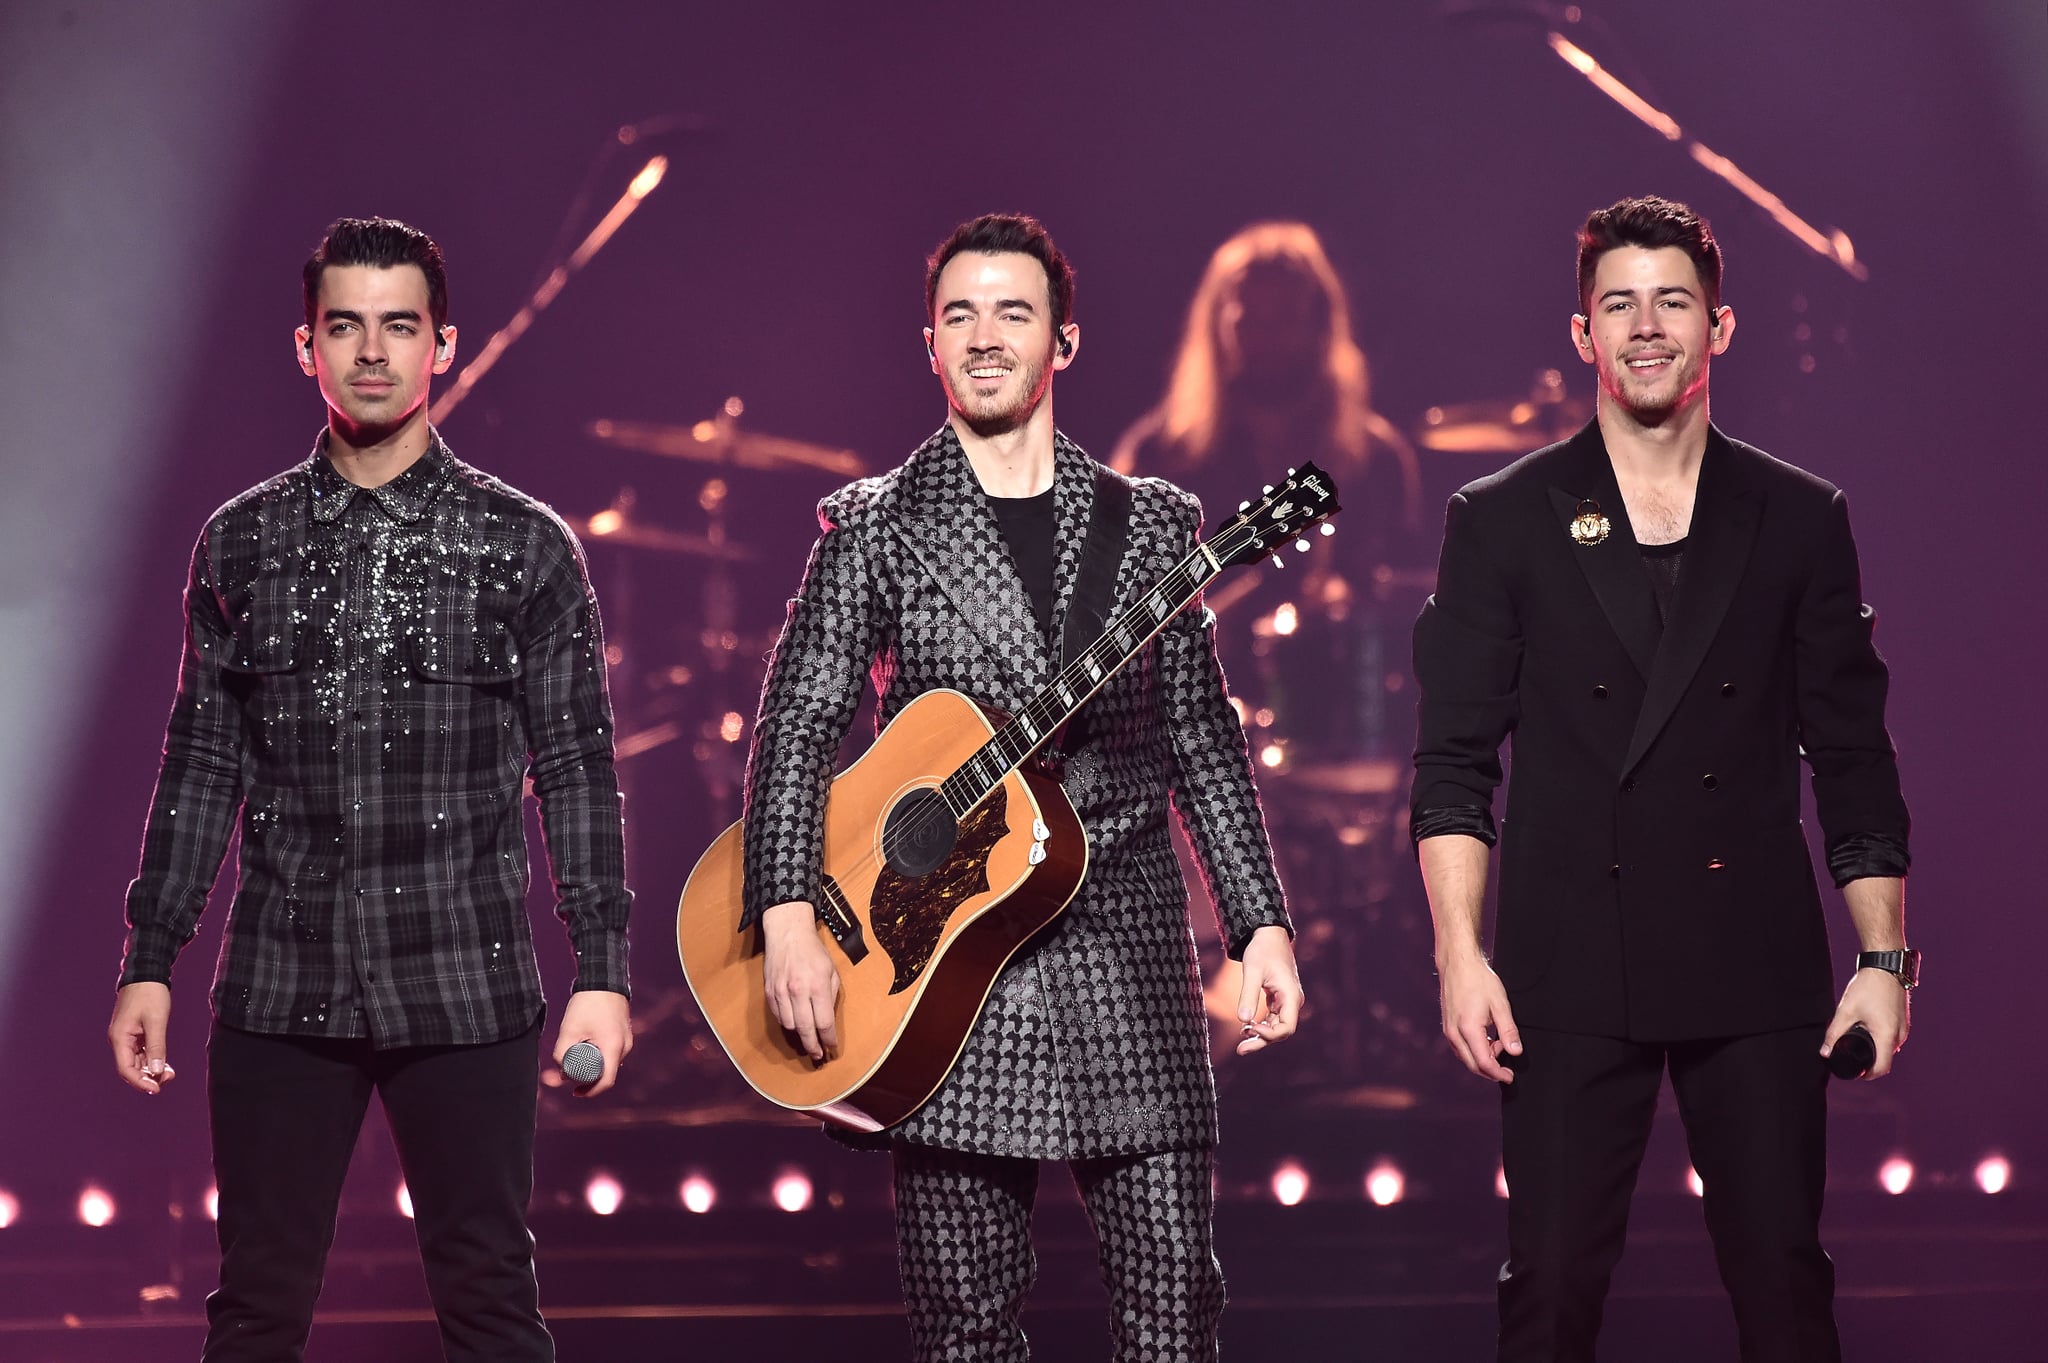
(266, 641)
(477, 652)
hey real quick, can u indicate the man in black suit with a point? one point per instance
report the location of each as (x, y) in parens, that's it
(1667, 620)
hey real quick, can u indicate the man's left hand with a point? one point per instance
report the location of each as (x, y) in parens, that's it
(1876, 999)
(1269, 977)
(605, 1020)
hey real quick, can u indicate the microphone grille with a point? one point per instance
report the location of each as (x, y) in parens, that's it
(583, 1063)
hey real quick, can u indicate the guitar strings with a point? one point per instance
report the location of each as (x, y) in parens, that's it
(1228, 544)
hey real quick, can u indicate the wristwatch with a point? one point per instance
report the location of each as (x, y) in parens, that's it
(1904, 964)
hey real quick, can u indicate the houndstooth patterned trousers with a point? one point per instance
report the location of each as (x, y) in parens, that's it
(963, 1243)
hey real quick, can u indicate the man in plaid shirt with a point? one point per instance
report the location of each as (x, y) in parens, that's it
(381, 643)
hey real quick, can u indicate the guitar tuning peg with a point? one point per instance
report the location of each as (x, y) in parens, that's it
(1244, 506)
(1269, 489)
(1290, 473)
(1301, 546)
(1279, 562)
(1329, 527)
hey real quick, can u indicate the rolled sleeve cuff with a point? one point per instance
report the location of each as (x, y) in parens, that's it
(1858, 856)
(1474, 821)
(601, 964)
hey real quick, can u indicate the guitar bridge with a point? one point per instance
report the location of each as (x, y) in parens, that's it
(838, 919)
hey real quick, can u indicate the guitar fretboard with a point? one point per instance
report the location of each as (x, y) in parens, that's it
(1053, 706)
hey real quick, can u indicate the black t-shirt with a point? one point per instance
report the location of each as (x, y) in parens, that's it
(1663, 562)
(1028, 525)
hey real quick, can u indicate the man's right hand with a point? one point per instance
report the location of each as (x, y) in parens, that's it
(1477, 1021)
(803, 984)
(142, 1020)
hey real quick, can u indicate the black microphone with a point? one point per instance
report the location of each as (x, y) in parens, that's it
(583, 1063)
(1852, 1056)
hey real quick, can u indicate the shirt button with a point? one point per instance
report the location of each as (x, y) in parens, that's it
(1710, 782)
(1614, 871)
(1727, 688)
(1716, 864)
(1599, 693)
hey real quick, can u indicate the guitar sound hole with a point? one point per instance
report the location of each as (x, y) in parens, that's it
(918, 834)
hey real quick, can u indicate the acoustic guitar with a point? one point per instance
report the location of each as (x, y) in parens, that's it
(948, 846)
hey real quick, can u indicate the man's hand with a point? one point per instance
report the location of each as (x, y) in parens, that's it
(803, 984)
(1270, 978)
(1876, 999)
(142, 1019)
(1477, 1021)
(605, 1020)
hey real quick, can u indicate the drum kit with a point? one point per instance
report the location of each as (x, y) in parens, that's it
(1325, 696)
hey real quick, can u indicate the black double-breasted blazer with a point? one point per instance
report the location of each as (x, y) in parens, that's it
(1655, 881)
(1093, 1041)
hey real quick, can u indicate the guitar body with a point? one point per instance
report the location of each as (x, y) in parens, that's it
(921, 940)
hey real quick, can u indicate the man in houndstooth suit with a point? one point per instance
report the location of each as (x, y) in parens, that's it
(955, 570)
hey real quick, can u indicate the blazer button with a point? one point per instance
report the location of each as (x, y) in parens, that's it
(1599, 693)
(1716, 864)
(1614, 871)
(1710, 781)
(1629, 784)
(1727, 688)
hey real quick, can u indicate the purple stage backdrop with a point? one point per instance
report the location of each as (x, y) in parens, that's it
(165, 169)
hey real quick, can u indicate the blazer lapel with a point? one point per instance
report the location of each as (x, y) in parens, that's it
(1725, 512)
(950, 530)
(1613, 567)
(1073, 499)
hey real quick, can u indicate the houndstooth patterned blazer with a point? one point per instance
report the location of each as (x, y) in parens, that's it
(1093, 1041)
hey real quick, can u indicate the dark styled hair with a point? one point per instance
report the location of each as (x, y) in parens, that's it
(997, 233)
(383, 243)
(1650, 223)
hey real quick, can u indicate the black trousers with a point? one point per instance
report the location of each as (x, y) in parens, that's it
(285, 1114)
(1574, 1126)
(963, 1244)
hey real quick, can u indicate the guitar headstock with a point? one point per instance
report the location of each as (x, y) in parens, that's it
(1280, 513)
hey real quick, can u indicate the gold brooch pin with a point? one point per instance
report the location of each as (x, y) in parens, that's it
(1589, 527)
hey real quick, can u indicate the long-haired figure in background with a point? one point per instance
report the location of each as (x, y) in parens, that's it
(1268, 375)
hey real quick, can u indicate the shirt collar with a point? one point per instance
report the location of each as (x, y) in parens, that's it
(405, 498)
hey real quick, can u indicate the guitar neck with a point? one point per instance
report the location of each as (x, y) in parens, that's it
(1120, 641)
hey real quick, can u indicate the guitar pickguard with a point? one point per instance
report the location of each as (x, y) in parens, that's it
(909, 915)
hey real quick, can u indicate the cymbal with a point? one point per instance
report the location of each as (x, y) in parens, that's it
(1366, 776)
(613, 527)
(1505, 426)
(719, 440)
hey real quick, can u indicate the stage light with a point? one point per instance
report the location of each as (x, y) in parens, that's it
(1272, 755)
(1694, 1182)
(213, 1202)
(792, 1191)
(1500, 1182)
(1896, 1175)
(698, 1194)
(404, 1201)
(10, 1210)
(1286, 619)
(1290, 1184)
(1384, 1185)
(603, 1194)
(95, 1206)
(1994, 1175)
(731, 725)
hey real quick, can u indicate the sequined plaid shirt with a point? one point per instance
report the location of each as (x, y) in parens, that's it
(368, 677)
